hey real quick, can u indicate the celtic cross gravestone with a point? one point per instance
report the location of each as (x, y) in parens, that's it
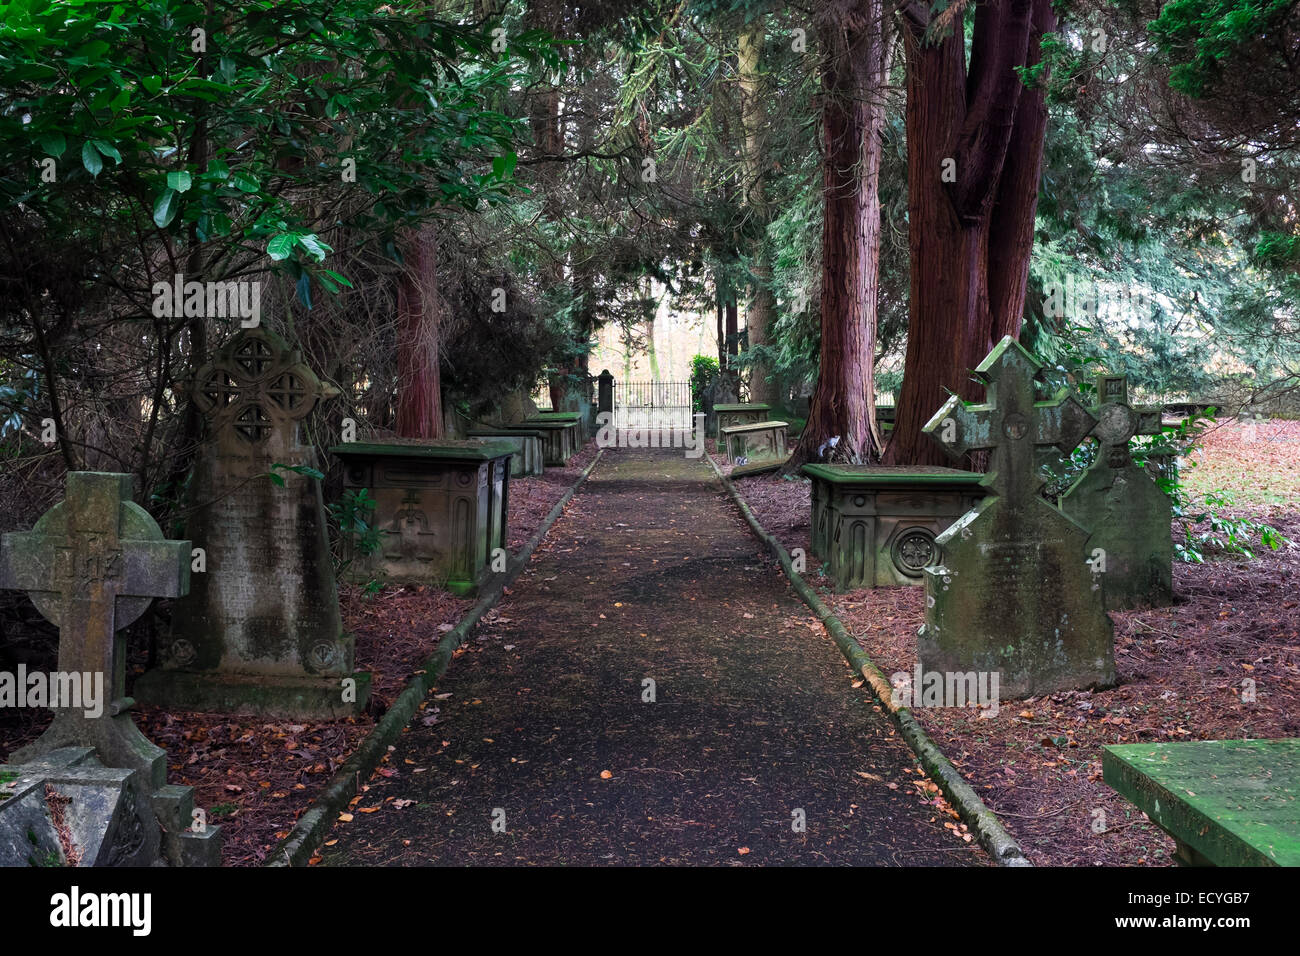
(1014, 593)
(92, 564)
(260, 630)
(1127, 513)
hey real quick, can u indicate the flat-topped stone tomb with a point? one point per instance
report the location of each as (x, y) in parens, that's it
(442, 507)
(260, 631)
(756, 441)
(527, 460)
(877, 525)
(1225, 802)
(576, 417)
(733, 413)
(560, 440)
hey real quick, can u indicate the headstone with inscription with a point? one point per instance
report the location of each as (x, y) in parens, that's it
(260, 631)
(1118, 501)
(92, 790)
(1014, 594)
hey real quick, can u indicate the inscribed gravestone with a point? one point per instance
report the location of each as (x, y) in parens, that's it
(1127, 513)
(91, 565)
(1014, 593)
(260, 630)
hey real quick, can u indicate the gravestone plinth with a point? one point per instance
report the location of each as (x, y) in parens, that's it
(442, 507)
(260, 631)
(559, 438)
(1014, 594)
(755, 441)
(732, 413)
(877, 525)
(92, 564)
(1116, 499)
(527, 459)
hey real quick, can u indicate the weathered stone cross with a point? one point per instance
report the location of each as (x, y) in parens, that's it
(1013, 595)
(1118, 421)
(91, 565)
(1010, 424)
(1127, 513)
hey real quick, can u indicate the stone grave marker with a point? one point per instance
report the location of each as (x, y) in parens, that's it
(260, 631)
(1127, 513)
(91, 565)
(1014, 593)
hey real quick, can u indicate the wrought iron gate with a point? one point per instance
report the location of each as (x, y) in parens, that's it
(665, 405)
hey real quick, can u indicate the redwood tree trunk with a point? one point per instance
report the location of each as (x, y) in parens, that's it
(419, 381)
(855, 64)
(974, 158)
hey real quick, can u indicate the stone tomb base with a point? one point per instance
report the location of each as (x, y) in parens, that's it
(269, 695)
(875, 526)
(442, 507)
(757, 441)
(66, 809)
(733, 414)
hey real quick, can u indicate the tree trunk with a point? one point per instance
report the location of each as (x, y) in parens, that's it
(974, 157)
(733, 344)
(419, 306)
(855, 67)
(761, 307)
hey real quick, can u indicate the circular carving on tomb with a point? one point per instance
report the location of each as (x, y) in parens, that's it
(1015, 427)
(914, 550)
(859, 501)
(182, 652)
(463, 478)
(356, 473)
(322, 655)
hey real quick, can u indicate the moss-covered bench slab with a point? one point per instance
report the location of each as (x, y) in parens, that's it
(560, 438)
(743, 414)
(441, 507)
(875, 525)
(527, 459)
(757, 441)
(1225, 802)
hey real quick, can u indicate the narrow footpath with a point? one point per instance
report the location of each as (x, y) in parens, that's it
(542, 745)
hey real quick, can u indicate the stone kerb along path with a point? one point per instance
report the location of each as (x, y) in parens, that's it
(650, 692)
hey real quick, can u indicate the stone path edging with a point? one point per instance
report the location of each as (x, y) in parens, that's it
(310, 830)
(974, 812)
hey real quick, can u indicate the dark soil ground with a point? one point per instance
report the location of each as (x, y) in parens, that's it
(256, 776)
(542, 725)
(1038, 763)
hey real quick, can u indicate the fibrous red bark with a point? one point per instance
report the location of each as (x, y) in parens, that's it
(974, 157)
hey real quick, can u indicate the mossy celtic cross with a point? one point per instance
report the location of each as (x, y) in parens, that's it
(91, 565)
(1010, 423)
(1118, 421)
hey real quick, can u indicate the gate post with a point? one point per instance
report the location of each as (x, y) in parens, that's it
(605, 393)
